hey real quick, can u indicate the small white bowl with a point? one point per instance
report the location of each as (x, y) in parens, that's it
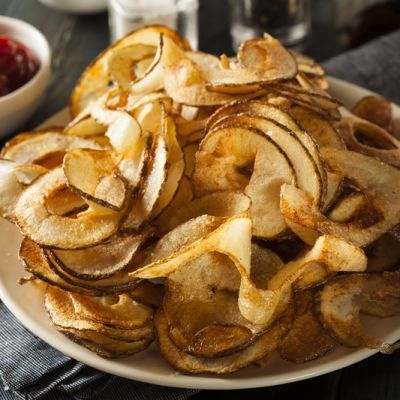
(17, 106)
(77, 6)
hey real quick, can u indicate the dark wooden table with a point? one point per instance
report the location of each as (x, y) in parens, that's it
(76, 40)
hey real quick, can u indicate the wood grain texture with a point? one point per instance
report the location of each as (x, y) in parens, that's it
(75, 41)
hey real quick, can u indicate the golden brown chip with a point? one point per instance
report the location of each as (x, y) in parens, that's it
(307, 339)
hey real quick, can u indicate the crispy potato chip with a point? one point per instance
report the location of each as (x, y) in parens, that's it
(307, 174)
(94, 80)
(35, 263)
(103, 260)
(183, 195)
(187, 363)
(201, 300)
(374, 178)
(65, 202)
(40, 263)
(209, 285)
(176, 166)
(268, 111)
(131, 149)
(85, 127)
(236, 158)
(307, 65)
(260, 60)
(219, 204)
(185, 81)
(14, 178)
(307, 339)
(119, 311)
(91, 173)
(342, 300)
(34, 148)
(347, 207)
(123, 61)
(368, 138)
(87, 229)
(319, 127)
(189, 152)
(377, 110)
(383, 254)
(105, 346)
(151, 189)
(62, 314)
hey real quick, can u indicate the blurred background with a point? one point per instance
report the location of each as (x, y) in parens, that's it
(319, 28)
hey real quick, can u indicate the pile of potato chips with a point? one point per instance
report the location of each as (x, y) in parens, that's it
(228, 207)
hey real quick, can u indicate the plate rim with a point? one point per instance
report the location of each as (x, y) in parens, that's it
(174, 379)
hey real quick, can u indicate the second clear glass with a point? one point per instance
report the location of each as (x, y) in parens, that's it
(287, 20)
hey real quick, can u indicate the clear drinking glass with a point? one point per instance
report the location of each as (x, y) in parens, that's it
(287, 20)
(127, 15)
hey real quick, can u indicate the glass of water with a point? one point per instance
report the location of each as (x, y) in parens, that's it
(128, 15)
(287, 20)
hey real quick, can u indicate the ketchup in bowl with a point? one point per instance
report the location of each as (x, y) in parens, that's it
(18, 65)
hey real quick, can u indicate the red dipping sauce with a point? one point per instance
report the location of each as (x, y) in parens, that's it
(18, 65)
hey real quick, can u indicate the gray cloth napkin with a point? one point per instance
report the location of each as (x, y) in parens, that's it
(30, 369)
(376, 66)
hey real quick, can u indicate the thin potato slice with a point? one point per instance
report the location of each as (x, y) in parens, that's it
(189, 152)
(383, 254)
(131, 148)
(185, 80)
(118, 311)
(268, 111)
(151, 189)
(307, 174)
(103, 260)
(86, 229)
(36, 263)
(34, 147)
(94, 80)
(367, 138)
(187, 363)
(183, 196)
(375, 109)
(40, 264)
(344, 298)
(377, 180)
(14, 178)
(202, 309)
(236, 158)
(209, 286)
(62, 314)
(307, 339)
(307, 65)
(122, 63)
(347, 207)
(105, 346)
(65, 202)
(319, 127)
(260, 61)
(334, 183)
(218, 204)
(91, 173)
(84, 127)
(176, 165)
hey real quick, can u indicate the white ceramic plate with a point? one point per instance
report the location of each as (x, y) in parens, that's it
(26, 303)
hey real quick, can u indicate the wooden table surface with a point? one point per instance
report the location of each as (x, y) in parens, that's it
(74, 42)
